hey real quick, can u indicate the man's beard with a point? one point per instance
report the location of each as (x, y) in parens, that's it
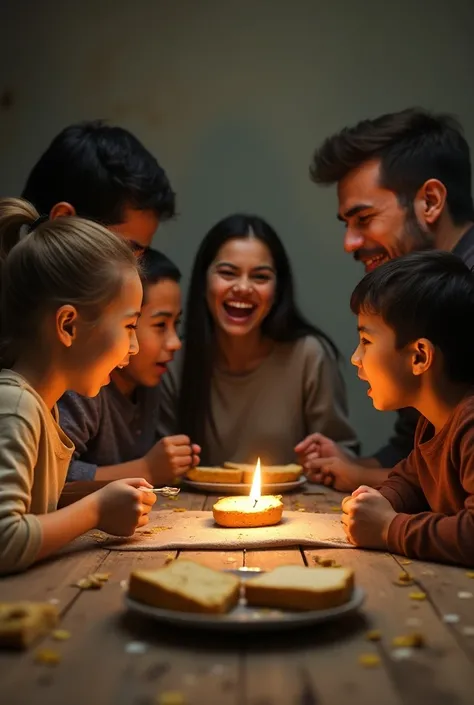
(414, 238)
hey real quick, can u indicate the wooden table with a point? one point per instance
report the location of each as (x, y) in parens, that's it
(317, 666)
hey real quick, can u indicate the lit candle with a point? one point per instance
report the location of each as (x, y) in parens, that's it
(251, 511)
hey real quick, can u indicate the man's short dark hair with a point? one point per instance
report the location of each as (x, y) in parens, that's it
(425, 295)
(413, 146)
(100, 170)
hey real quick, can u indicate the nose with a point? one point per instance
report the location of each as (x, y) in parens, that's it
(133, 347)
(352, 240)
(242, 284)
(356, 358)
(173, 342)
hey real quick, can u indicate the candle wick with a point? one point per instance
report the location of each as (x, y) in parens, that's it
(255, 503)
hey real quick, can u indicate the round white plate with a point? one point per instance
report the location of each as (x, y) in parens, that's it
(243, 618)
(242, 488)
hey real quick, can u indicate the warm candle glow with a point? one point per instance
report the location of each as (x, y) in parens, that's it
(256, 489)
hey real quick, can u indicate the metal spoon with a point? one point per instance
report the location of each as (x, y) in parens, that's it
(164, 491)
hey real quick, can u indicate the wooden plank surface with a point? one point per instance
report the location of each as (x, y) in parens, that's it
(317, 666)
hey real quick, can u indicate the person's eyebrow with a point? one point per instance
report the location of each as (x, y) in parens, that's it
(167, 314)
(264, 268)
(353, 211)
(364, 329)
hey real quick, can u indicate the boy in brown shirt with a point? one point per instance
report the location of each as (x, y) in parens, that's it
(416, 349)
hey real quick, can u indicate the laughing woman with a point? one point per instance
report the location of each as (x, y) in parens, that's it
(255, 377)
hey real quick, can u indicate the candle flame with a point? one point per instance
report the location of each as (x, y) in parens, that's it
(256, 489)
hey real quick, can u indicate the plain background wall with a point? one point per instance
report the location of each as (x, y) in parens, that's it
(232, 96)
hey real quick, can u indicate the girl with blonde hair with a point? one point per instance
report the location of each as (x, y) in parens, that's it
(70, 298)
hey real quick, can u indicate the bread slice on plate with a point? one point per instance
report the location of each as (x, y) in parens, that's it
(185, 586)
(299, 588)
(271, 474)
(217, 475)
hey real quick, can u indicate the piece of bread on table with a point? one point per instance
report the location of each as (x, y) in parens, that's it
(217, 475)
(300, 588)
(185, 586)
(22, 622)
(230, 512)
(271, 474)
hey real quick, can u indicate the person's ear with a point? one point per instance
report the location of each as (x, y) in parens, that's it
(59, 210)
(66, 324)
(430, 201)
(422, 357)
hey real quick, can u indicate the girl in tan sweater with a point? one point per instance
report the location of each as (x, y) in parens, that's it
(70, 299)
(255, 377)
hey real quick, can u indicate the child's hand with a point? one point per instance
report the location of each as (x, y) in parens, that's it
(170, 458)
(343, 475)
(366, 517)
(123, 507)
(316, 446)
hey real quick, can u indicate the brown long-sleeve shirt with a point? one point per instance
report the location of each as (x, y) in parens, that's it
(433, 492)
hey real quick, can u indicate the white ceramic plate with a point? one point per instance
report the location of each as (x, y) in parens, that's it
(242, 488)
(243, 618)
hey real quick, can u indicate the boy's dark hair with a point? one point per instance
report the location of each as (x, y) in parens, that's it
(99, 169)
(425, 295)
(413, 146)
(155, 266)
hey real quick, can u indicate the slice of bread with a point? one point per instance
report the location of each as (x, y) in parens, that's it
(218, 475)
(299, 588)
(22, 622)
(271, 474)
(232, 512)
(186, 586)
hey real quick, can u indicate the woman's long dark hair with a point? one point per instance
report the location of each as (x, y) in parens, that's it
(284, 322)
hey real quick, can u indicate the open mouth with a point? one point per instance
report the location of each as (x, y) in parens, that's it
(372, 263)
(239, 310)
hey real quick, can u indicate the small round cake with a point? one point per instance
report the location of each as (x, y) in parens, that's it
(242, 512)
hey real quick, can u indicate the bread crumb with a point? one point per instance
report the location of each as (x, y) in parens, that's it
(301, 509)
(369, 660)
(415, 640)
(335, 509)
(48, 657)
(464, 595)
(451, 618)
(417, 596)
(230, 560)
(374, 635)
(327, 562)
(404, 579)
(171, 697)
(94, 581)
(407, 562)
(179, 509)
(103, 577)
(61, 635)
(169, 557)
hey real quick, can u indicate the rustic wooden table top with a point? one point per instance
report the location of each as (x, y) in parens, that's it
(117, 658)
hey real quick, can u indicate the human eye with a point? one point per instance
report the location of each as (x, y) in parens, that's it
(365, 219)
(364, 341)
(226, 273)
(262, 277)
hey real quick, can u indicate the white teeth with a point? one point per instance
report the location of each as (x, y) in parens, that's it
(239, 304)
(379, 259)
